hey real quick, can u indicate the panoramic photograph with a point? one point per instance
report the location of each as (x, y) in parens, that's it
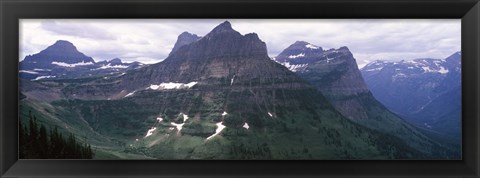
(240, 89)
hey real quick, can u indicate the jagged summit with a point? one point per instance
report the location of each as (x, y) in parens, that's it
(183, 39)
(186, 34)
(223, 27)
(344, 48)
(218, 55)
(221, 42)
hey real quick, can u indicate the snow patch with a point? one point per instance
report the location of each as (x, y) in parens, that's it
(109, 66)
(179, 126)
(246, 126)
(150, 132)
(171, 85)
(443, 70)
(374, 69)
(426, 125)
(43, 77)
(296, 56)
(153, 87)
(130, 94)
(270, 114)
(42, 70)
(294, 67)
(311, 46)
(399, 75)
(220, 127)
(231, 81)
(83, 63)
(185, 117)
(224, 113)
(428, 69)
(159, 119)
(28, 71)
(329, 59)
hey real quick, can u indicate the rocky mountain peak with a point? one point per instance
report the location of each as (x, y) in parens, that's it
(223, 53)
(223, 27)
(454, 57)
(115, 61)
(61, 46)
(222, 42)
(184, 39)
(300, 43)
(61, 51)
(343, 49)
(63, 43)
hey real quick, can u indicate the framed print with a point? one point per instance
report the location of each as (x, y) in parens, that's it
(239, 88)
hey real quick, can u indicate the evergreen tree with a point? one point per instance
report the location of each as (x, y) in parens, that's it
(38, 143)
(43, 143)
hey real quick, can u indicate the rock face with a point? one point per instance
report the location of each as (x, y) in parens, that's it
(222, 56)
(62, 60)
(427, 92)
(184, 39)
(298, 54)
(336, 75)
(334, 72)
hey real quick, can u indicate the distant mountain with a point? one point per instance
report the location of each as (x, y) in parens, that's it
(63, 60)
(61, 52)
(116, 64)
(426, 92)
(184, 39)
(335, 74)
(220, 97)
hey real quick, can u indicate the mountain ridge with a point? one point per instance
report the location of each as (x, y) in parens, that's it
(408, 87)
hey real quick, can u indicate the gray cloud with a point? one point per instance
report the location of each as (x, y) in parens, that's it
(150, 40)
(83, 30)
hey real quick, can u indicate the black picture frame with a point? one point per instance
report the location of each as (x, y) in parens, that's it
(13, 10)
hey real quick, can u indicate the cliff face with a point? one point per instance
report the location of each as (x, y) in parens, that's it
(334, 72)
(222, 57)
(184, 39)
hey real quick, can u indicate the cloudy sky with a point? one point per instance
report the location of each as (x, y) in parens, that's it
(151, 40)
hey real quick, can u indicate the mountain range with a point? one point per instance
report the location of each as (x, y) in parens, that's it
(335, 74)
(62, 60)
(220, 96)
(426, 92)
